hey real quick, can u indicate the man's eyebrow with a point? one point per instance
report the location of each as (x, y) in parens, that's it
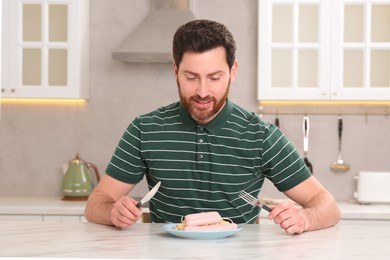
(190, 72)
(215, 73)
(210, 74)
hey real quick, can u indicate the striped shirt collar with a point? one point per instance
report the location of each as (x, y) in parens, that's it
(214, 126)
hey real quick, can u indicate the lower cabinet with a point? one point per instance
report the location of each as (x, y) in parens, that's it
(22, 218)
(43, 218)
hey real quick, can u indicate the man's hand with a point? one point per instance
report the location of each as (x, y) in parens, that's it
(288, 217)
(124, 212)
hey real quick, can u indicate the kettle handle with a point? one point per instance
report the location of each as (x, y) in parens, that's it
(93, 166)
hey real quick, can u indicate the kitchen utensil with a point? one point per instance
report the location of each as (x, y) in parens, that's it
(77, 183)
(340, 165)
(306, 128)
(149, 195)
(255, 202)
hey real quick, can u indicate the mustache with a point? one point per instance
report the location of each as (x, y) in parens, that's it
(198, 98)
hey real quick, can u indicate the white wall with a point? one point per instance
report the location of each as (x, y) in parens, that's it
(36, 139)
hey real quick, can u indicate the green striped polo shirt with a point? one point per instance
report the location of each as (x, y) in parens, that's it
(203, 167)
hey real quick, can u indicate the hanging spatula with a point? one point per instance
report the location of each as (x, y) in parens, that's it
(306, 127)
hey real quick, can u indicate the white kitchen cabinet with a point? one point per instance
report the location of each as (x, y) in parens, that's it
(42, 218)
(45, 49)
(324, 50)
(46, 209)
(41, 209)
(22, 218)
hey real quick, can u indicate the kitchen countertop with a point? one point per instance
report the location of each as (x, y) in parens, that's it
(353, 210)
(56, 206)
(40, 206)
(350, 239)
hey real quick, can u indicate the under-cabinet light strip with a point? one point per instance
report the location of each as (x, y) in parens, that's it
(42, 101)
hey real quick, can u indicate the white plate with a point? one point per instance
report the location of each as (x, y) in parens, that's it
(206, 234)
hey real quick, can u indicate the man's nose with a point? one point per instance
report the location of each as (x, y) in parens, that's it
(202, 89)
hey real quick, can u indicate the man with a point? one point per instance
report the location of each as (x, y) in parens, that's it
(205, 149)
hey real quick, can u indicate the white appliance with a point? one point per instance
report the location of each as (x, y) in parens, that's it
(373, 187)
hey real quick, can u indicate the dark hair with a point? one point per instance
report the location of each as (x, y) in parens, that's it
(200, 36)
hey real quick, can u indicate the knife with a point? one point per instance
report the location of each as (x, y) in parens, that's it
(149, 195)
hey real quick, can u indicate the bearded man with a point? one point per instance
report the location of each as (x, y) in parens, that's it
(205, 149)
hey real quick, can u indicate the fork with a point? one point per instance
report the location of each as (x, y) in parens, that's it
(255, 202)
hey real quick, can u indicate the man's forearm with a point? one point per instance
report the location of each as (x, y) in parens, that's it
(98, 208)
(321, 212)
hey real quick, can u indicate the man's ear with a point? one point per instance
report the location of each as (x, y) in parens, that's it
(233, 71)
(175, 70)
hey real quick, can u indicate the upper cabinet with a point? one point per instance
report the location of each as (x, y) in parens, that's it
(45, 49)
(324, 50)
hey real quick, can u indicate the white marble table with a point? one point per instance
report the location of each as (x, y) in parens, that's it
(350, 239)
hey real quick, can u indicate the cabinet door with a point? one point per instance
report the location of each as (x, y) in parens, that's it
(324, 50)
(45, 49)
(293, 50)
(361, 50)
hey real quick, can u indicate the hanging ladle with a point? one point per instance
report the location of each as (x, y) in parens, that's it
(340, 165)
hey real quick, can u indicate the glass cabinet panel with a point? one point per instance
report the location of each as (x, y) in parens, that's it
(353, 68)
(58, 23)
(282, 23)
(380, 25)
(354, 23)
(308, 23)
(58, 67)
(307, 68)
(281, 68)
(32, 22)
(380, 68)
(31, 69)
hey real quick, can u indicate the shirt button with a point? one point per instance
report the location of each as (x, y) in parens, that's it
(201, 156)
(200, 140)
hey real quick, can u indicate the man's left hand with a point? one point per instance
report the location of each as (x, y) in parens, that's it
(288, 217)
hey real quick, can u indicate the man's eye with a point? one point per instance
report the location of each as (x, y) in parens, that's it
(215, 78)
(191, 78)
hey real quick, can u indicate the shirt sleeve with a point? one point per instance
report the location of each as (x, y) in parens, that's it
(126, 164)
(281, 162)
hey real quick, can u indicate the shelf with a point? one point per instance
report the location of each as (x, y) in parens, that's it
(325, 107)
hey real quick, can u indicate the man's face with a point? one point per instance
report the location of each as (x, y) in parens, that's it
(203, 80)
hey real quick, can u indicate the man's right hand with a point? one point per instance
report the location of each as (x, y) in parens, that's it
(124, 212)
(109, 204)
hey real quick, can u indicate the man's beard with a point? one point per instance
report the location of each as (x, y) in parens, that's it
(201, 115)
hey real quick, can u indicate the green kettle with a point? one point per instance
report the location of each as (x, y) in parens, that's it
(77, 183)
